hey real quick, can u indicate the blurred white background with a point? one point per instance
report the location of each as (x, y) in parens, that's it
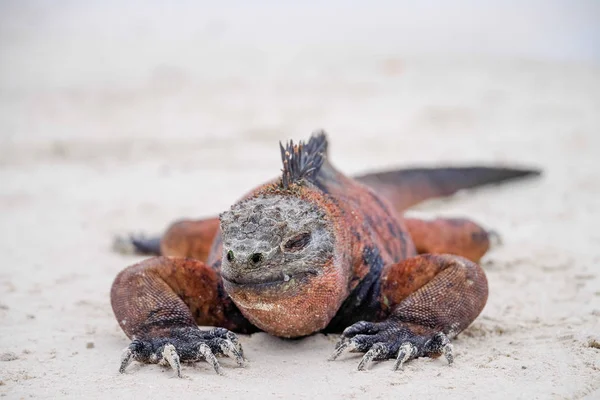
(151, 69)
(54, 43)
(119, 116)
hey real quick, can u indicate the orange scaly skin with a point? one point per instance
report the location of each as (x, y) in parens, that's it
(393, 302)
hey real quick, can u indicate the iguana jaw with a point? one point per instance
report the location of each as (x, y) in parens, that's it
(298, 307)
(267, 281)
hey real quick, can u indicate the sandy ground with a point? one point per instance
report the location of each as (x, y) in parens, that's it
(89, 150)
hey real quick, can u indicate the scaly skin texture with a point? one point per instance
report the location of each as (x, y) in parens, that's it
(311, 251)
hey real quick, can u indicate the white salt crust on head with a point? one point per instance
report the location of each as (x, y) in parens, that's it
(267, 226)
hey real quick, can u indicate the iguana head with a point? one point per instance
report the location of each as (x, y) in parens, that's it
(274, 239)
(280, 263)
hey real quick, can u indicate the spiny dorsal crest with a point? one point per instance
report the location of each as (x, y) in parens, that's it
(303, 160)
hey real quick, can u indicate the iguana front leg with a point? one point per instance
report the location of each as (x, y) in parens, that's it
(159, 304)
(431, 298)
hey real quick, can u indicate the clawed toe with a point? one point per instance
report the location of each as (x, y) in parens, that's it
(439, 344)
(229, 349)
(209, 356)
(407, 351)
(126, 359)
(342, 347)
(447, 351)
(233, 339)
(377, 352)
(170, 355)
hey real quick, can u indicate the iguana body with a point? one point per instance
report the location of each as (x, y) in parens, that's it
(313, 250)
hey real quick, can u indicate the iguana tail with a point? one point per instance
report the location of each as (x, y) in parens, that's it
(407, 187)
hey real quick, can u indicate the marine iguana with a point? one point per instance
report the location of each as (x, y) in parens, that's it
(312, 251)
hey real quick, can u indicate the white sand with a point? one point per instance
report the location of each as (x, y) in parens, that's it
(92, 146)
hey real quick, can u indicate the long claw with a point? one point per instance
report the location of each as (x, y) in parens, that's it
(238, 346)
(208, 355)
(447, 352)
(170, 355)
(406, 352)
(126, 359)
(342, 346)
(229, 349)
(376, 351)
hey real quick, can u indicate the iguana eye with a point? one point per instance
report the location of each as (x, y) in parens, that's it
(230, 256)
(297, 243)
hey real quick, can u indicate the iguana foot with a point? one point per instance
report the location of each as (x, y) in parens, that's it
(185, 345)
(136, 244)
(392, 339)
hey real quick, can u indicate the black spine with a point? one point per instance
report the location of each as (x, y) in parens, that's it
(302, 160)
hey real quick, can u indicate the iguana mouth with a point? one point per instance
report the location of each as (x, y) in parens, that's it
(269, 280)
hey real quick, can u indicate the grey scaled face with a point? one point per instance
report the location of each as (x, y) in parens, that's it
(273, 239)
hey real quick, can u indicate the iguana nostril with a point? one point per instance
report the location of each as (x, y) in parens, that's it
(256, 258)
(230, 256)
